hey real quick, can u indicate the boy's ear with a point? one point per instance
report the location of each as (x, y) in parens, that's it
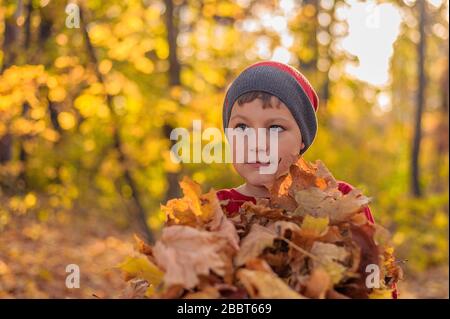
(303, 146)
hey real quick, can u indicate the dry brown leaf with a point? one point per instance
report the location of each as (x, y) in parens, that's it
(330, 257)
(253, 244)
(206, 293)
(142, 246)
(332, 203)
(302, 175)
(318, 283)
(281, 227)
(185, 253)
(263, 285)
(258, 264)
(323, 172)
(362, 239)
(265, 211)
(326, 251)
(136, 289)
(333, 294)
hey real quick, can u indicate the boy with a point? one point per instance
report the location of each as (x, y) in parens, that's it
(274, 96)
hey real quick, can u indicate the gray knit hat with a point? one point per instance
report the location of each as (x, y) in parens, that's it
(284, 82)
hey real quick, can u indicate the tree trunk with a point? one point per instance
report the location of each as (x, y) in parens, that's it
(139, 214)
(9, 48)
(441, 136)
(23, 156)
(309, 67)
(416, 190)
(174, 80)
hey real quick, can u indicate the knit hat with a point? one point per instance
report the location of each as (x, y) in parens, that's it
(284, 82)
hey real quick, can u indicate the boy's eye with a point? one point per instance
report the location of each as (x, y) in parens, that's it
(277, 128)
(241, 126)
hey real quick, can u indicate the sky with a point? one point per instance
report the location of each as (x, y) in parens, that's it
(372, 31)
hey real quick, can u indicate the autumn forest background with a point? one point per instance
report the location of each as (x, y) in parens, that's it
(90, 91)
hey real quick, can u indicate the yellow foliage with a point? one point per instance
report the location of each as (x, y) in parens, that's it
(194, 208)
(314, 226)
(142, 267)
(66, 120)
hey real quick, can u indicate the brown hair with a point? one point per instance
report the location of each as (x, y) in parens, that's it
(268, 99)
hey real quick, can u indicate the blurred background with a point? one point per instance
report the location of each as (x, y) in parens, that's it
(90, 91)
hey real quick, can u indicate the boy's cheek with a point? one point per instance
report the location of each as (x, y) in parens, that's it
(239, 169)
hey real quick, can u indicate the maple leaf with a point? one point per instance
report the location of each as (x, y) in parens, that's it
(381, 236)
(208, 292)
(365, 252)
(331, 203)
(265, 285)
(200, 211)
(323, 172)
(137, 288)
(333, 235)
(363, 238)
(266, 212)
(227, 231)
(253, 244)
(141, 267)
(326, 251)
(302, 175)
(218, 222)
(258, 264)
(284, 229)
(391, 270)
(194, 209)
(333, 294)
(179, 211)
(330, 257)
(142, 246)
(314, 227)
(185, 253)
(319, 282)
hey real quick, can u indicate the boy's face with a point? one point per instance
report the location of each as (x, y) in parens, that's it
(277, 118)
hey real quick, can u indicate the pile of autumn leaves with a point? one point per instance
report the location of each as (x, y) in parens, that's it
(307, 240)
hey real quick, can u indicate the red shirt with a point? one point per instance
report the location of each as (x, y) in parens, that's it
(236, 199)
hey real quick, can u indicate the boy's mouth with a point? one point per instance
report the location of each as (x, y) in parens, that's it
(257, 164)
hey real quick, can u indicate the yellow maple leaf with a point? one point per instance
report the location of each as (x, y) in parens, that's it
(192, 192)
(141, 267)
(314, 227)
(194, 209)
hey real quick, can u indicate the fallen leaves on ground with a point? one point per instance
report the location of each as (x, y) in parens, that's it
(34, 256)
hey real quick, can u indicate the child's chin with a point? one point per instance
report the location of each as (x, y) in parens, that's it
(259, 179)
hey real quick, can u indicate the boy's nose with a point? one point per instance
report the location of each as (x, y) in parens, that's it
(260, 148)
